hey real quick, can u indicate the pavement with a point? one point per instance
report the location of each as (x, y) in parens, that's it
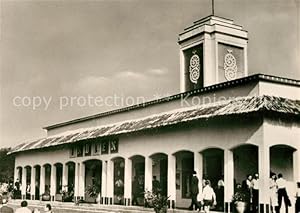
(59, 207)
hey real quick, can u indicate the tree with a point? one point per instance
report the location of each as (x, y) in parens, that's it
(7, 164)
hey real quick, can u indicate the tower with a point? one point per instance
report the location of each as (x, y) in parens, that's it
(212, 50)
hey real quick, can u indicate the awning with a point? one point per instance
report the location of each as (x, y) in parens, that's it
(237, 106)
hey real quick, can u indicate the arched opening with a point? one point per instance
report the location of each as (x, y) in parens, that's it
(213, 170)
(59, 188)
(119, 166)
(47, 185)
(281, 161)
(92, 182)
(245, 162)
(138, 180)
(28, 181)
(184, 173)
(69, 189)
(17, 192)
(160, 173)
(245, 159)
(37, 182)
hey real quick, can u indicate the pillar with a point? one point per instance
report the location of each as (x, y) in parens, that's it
(148, 174)
(110, 181)
(16, 174)
(128, 181)
(65, 171)
(264, 174)
(104, 198)
(53, 182)
(172, 180)
(198, 167)
(76, 186)
(42, 181)
(32, 183)
(296, 163)
(228, 179)
(23, 186)
(81, 181)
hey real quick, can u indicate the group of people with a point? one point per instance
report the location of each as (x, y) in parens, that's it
(23, 209)
(208, 197)
(277, 193)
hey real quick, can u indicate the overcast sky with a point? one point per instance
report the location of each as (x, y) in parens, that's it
(71, 48)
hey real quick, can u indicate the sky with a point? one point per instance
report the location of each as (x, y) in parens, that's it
(53, 51)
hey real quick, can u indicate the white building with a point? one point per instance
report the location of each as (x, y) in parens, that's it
(224, 123)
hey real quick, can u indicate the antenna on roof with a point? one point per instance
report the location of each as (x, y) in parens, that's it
(213, 7)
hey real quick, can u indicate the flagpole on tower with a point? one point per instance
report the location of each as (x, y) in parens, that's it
(213, 7)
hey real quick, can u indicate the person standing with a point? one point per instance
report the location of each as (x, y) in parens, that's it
(282, 193)
(297, 205)
(156, 186)
(255, 192)
(194, 192)
(273, 193)
(24, 208)
(247, 189)
(135, 191)
(5, 208)
(220, 194)
(209, 196)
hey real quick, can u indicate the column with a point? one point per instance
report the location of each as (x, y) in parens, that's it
(296, 163)
(32, 183)
(128, 181)
(23, 186)
(198, 167)
(264, 174)
(104, 183)
(148, 174)
(110, 181)
(65, 171)
(172, 180)
(228, 179)
(53, 182)
(42, 181)
(16, 174)
(76, 186)
(82, 181)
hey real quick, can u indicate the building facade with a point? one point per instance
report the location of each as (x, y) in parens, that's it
(224, 125)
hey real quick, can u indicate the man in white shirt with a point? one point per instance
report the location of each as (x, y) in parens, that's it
(23, 208)
(282, 193)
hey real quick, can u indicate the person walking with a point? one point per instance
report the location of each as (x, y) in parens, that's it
(194, 192)
(209, 197)
(282, 193)
(5, 208)
(273, 193)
